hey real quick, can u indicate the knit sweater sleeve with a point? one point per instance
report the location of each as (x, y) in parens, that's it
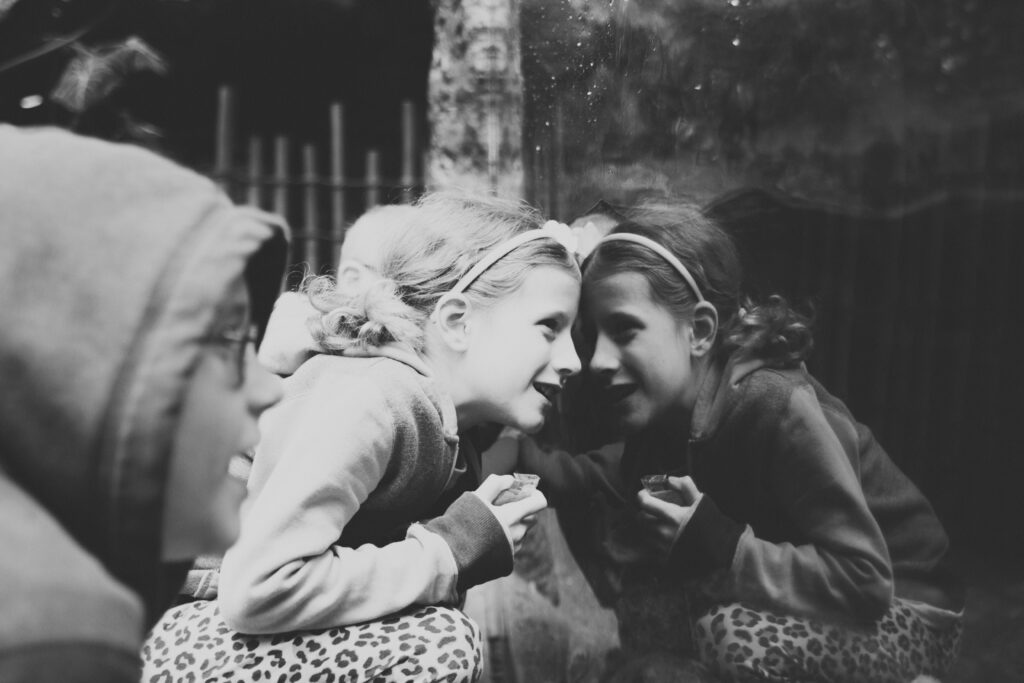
(837, 560)
(481, 548)
(287, 571)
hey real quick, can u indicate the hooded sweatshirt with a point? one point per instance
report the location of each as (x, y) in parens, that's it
(113, 263)
(359, 450)
(803, 511)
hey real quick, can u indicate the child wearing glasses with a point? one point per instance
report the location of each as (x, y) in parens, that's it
(131, 290)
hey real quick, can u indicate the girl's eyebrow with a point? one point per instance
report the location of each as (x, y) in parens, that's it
(622, 318)
(557, 316)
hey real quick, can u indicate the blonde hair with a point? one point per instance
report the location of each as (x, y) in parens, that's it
(369, 235)
(445, 235)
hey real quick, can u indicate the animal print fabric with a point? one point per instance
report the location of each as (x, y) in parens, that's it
(192, 644)
(741, 644)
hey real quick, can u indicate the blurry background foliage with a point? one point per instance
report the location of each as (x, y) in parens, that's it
(851, 101)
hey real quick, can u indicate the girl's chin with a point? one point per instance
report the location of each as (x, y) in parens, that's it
(631, 421)
(530, 423)
(531, 427)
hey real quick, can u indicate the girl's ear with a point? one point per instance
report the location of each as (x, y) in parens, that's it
(705, 329)
(452, 318)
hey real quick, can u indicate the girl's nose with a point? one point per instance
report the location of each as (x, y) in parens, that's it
(262, 387)
(605, 360)
(564, 358)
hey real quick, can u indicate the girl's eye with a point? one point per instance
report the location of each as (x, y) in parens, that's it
(552, 327)
(234, 344)
(622, 335)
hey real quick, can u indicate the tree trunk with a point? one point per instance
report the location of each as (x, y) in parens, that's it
(475, 99)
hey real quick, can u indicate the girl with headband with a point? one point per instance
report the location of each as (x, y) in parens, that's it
(749, 511)
(366, 520)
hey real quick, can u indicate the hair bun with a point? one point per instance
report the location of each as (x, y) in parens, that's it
(371, 316)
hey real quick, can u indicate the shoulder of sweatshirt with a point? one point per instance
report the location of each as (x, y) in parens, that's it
(372, 383)
(761, 393)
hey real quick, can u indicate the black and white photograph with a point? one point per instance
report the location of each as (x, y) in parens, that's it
(511, 341)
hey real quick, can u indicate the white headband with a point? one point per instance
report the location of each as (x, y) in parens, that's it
(660, 251)
(559, 232)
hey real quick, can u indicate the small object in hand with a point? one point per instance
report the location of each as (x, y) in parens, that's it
(523, 486)
(657, 485)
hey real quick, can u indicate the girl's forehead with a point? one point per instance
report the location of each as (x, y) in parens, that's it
(537, 275)
(546, 287)
(623, 285)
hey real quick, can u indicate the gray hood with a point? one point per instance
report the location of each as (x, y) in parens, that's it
(112, 261)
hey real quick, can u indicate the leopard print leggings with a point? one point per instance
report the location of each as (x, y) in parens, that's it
(742, 644)
(192, 644)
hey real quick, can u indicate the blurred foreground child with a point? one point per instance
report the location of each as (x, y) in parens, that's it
(130, 288)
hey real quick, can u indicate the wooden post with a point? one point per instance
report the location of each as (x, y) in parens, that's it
(254, 192)
(311, 218)
(337, 180)
(408, 151)
(224, 154)
(372, 178)
(281, 175)
(475, 97)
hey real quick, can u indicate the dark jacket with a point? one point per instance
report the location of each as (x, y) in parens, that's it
(803, 511)
(112, 264)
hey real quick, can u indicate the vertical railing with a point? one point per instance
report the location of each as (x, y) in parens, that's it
(314, 199)
(311, 215)
(373, 179)
(337, 173)
(408, 179)
(223, 160)
(254, 194)
(281, 180)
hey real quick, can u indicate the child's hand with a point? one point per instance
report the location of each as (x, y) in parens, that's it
(516, 517)
(667, 520)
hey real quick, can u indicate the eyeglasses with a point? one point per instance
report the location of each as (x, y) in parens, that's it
(240, 343)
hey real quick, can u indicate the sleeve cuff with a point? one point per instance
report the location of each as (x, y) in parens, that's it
(477, 541)
(203, 579)
(708, 542)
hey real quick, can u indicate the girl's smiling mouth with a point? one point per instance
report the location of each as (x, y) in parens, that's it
(615, 393)
(547, 390)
